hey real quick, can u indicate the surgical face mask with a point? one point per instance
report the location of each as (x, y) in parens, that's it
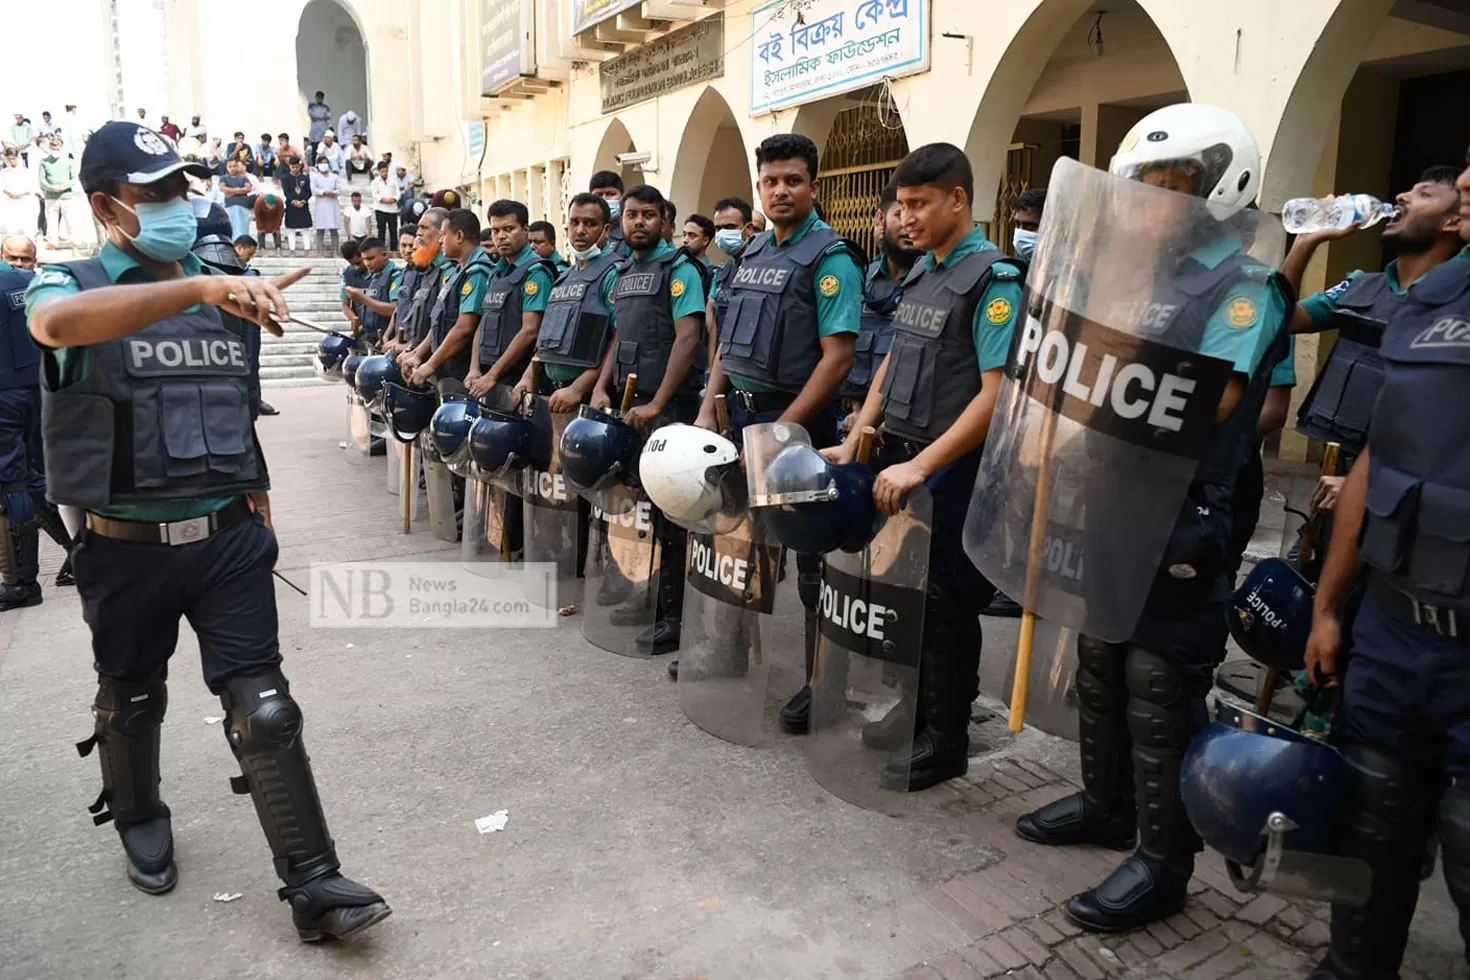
(323, 167)
(1025, 242)
(731, 241)
(615, 208)
(166, 229)
(585, 256)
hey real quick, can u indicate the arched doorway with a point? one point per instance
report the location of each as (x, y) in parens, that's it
(712, 162)
(331, 58)
(617, 140)
(864, 146)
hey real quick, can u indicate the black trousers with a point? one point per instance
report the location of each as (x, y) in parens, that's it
(387, 225)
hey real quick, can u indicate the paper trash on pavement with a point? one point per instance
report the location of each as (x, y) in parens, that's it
(496, 821)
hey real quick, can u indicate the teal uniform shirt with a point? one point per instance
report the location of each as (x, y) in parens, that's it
(73, 364)
(537, 285)
(995, 317)
(395, 275)
(562, 373)
(472, 290)
(1320, 306)
(562, 265)
(839, 294)
(1245, 326)
(1283, 375)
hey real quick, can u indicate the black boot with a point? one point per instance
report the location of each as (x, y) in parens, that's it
(796, 714)
(949, 681)
(20, 586)
(1153, 883)
(1002, 606)
(128, 715)
(55, 529)
(1103, 812)
(1387, 812)
(263, 724)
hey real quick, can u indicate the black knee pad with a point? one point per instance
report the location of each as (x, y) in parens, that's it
(1387, 808)
(130, 708)
(1100, 684)
(1454, 829)
(1158, 702)
(262, 715)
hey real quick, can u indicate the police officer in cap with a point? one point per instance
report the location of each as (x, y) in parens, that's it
(1404, 513)
(936, 419)
(24, 509)
(658, 319)
(1143, 700)
(146, 423)
(787, 342)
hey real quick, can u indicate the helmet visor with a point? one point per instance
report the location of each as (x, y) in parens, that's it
(1196, 175)
(798, 474)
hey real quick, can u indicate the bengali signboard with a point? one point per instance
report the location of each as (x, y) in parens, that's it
(691, 54)
(804, 50)
(507, 43)
(586, 13)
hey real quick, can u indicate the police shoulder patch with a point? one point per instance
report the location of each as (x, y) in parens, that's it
(676, 288)
(830, 285)
(1241, 311)
(467, 288)
(999, 310)
(531, 288)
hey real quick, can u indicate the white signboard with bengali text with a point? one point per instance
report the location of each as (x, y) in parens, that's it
(805, 50)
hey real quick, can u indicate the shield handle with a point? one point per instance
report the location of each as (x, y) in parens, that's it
(865, 443)
(722, 415)
(409, 487)
(630, 388)
(1022, 679)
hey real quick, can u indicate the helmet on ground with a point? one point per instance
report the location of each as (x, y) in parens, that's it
(330, 354)
(501, 442)
(813, 506)
(598, 451)
(449, 430)
(1265, 797)
(1270, 615)
(693, 475)
(213, 242)
(408, 410)
(373, 374)
(1205, 140)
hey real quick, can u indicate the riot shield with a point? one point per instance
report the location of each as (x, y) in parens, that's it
(484, 546)
(1107, 403)
(550, 508)
(359, 430)
(620, 592)
(444, 490)
(725, 647)
(1051, 701)
(870, 629)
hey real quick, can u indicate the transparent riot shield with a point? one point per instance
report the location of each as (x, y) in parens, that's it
(444, 490)
(398, 455)
(725, 646)
(1108, 402)
(359, 430)
(485, 546)
(620, 592)
(1051, 701)
(551, 509)
(867, 674)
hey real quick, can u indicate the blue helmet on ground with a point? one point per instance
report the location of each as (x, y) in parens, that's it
(1265, 797)
(501, 442)
(449, 430)
(813, 506)
(350, 364)
(408, 410)
(330, 354)
(374, 374)
(1270, 615)
(599, 451)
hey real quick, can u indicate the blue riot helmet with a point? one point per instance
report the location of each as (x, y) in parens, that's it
(812, 505)
(1270, 615)
(373, 374)
(599, 451)
(214, 244)
(408, 410)
(1265, 797)
(501, 442)
(330, 354)
(449, 431)
(350, 364)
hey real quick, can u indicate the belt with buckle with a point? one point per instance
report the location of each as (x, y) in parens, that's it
(763, 401)
(1440, 621)
(170, 532)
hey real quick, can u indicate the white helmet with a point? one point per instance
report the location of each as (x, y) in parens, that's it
(1211, 142)
(693, 475)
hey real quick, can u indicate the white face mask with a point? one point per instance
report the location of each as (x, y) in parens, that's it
(586, 256)
(323, 167)
(1025, 242)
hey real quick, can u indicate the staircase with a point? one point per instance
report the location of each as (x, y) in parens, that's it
(287, 362)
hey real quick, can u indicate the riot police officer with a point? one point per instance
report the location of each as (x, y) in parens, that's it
(1142, 700)
(658, 317)
(787, 341)
(736, 223)
(24, 509)
(354, 276)
(514, 303)
(1403, 514)
(418, 286)
(446, 353)
(375, 297)
(146, 428)
(937, 418)
(882, 292)
(609, 186)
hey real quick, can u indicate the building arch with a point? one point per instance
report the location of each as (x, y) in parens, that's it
(617, 139)
(713, 160)
(332, 57)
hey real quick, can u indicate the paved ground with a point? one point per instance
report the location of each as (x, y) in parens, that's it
(637, 846)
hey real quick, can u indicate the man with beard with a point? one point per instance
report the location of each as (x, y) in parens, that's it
(882, 292)
(455, 318)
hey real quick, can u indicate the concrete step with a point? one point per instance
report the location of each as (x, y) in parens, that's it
(275, 372)
(291, 382)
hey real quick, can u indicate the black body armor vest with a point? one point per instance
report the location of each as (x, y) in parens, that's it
(1340, 404)
(645, 316)
(446, 313)
(881, 296)
(576, 326)
(20, 358)
(500, 316)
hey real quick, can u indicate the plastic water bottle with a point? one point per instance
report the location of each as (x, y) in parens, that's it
(1306, 214)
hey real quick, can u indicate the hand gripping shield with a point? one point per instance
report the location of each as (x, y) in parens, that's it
(1107, 404)
(870, 627)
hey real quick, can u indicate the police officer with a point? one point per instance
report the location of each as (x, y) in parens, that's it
(736, 223)
(882, 292)
(1401, 727)
(937, 421)
(354, 276)
(446, 353)
(1142, 701)
(658, 317)
(375, 297)
(788, 338)
(174, 485)
(541, 236)
(609, 186)
(24, 509)
(420, 278)
(514, 302)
